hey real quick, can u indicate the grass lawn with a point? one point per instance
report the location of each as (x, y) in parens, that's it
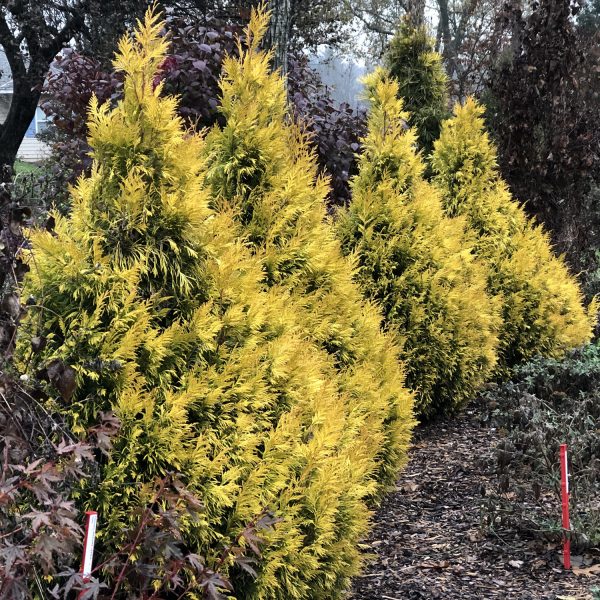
(25, 167)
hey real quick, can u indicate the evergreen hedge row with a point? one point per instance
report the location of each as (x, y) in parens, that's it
(253, 348)
(235, 352)
(417, 263)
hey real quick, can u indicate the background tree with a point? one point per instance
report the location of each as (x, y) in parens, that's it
(278, 35)
(466, 38)
(589, 18)
(543, 110)
(31, 34)
(463, 32)
(379, 19)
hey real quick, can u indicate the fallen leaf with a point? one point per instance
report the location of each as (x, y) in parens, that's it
(443, 564)
(409, 487)
(517, 564)
(587, 571)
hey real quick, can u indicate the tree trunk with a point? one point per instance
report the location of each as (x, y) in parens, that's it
(415, 10)
(515, 26)
(22, 111)
(446, 34)
(278, 36)
(12, 268)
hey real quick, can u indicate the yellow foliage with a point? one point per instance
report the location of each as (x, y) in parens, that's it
(262, 171)
(152, 297)
(543, 308)
(417, 263)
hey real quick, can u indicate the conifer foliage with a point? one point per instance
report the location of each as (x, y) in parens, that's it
(422, 81)
(145, 303)
(417, 262)
(262, 171)
(543, 311)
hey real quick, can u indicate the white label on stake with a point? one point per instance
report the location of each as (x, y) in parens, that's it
(89, 545)
(567, 471)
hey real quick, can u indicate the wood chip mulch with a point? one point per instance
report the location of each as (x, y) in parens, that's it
(430, 538)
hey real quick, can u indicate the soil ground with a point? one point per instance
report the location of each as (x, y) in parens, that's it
(432, 537)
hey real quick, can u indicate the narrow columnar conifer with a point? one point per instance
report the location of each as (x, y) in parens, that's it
(417, 263)
(543, 309)
(422, 81)
(145, 299)
(262, 171)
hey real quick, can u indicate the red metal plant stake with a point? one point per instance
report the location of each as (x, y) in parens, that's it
(564, 492)
(91, 518)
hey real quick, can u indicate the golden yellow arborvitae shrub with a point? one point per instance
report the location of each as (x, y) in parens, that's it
(147, 297)
(417, 263)
(262, 171)
(543, 309)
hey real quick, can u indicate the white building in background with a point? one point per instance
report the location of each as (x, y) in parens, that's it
(32, 149)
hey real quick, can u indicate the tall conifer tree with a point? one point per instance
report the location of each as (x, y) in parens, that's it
(262, 171)
(417, 262)
(543, 308)
(146, 304)
(422, 81)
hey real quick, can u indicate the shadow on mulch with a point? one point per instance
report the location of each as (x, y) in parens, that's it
(432, 538)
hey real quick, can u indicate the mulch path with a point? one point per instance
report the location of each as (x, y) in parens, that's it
(430, 537)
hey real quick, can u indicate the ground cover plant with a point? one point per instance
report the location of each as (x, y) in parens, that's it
(148, 302)
(417, 263)
(548, 402)
(543, 311)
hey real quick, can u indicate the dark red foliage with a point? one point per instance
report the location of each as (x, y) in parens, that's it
(193, 67)
(67, 97)
(69, 87)
(544, 112)
(42, 462)
(336, 129)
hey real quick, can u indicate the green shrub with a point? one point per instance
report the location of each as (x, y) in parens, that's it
(263, 173)
(549, 402)
(422, 81)
(543, 308)
(417, 263)
(143, 302)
